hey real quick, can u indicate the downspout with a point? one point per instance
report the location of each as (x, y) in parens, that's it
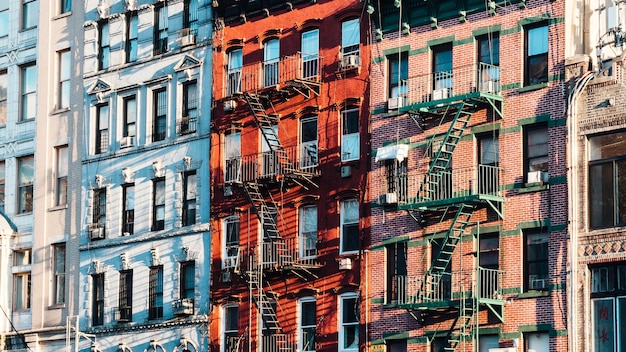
(572, 209)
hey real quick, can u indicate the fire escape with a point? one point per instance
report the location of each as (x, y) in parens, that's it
(445, 194)
(263, 176)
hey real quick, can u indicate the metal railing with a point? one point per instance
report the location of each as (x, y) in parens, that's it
(265, 74)
(278, 343)
(472, 78)
(421, 288)
(291, 252)
(252, 167)
(456, 182)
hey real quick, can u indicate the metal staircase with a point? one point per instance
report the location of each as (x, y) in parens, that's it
(268, 313)
(461, 328)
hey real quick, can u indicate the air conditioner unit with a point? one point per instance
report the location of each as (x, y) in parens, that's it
(537, 176)
(131, 4)
(349, 62)
(229, 263)
(125, 234)
(96, 233)
(104, 10)
(394, 103)
(187, 37)
(488, 87)
(127, 141)
(439, 94)
(183, 306)
(123, 315)
(228, 191)
(346, 171)
(345, 264)
(226, 276)
(230, 105)
(387, 198)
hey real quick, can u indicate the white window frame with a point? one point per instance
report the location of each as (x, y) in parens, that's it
(4, 85)
(301, 327)
(350, 142)
(343, 325)
(59, 269)
(224, 329)
(65, 75)
(30, 9)
(310, 48)
(232, 156)
(309, 149)
(233, 71)
(225, 245)
(28, 93)
(62, 166)
(350, 37)
(307, 231)
(271, 62)
(345, 220)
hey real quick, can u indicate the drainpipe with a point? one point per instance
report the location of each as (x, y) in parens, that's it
(572, 190)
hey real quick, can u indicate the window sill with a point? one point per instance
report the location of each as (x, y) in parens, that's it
(58, 207)
(58, 111)
(532, 87)
(533, 187)
(533, 294)
(62, 15)
(25, 121)
(56, 306)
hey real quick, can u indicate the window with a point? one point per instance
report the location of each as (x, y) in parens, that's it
(102, 129)
(607, 182)
(30, 13)
(189, 198)
(348, 322)
(536, 144)
(396, 177)
(64, 92)
(158, 204)
(488, 160)
(538, 341)
(231, 327)
(29, 92)
(22, 261)
(269, 162)
(128, 209)
(97, 299)
(155, 292)
(307, 324)
(66, 6)
(4, 84)
(308, 142)
(160, 29)
(489, 258)
(308, 231)
(396, 266)
(536, 260)
(131, 36)
(232, 145)
(26, 178)
(104, 52)
(489, 60)
(187, 279)
(310, 53)
(536, 65)
(58, 267)
(398, 74)
(4, 18)
(608, 306)
(125, 298)
(129, 128)
(350, 37)
(442, 71)
(235, 63)
(488, 341)
(396, 345)
(159, 124)
(231, 240)
(2, 184)
(62, 165)
(190, 16)
(271, 54)
(189, 120)
(99, 216)
(350, 143)
(349, 219)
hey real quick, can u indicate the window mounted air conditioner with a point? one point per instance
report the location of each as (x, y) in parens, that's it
(183, 306)
(96, 233)
(439, 94)
(537, 284)
(488, 87)
(226, 276)
(131, 5)
(394, 103)
(387, 198)
(229, 263)
(104, 10)
(229, 105)
(345, 264)
(537, 176)
(127, 141)
(187, 37)
(349, 62)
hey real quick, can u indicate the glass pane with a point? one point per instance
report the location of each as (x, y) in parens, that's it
(537, 41)
(191, 187)
(62, 161)
(607, 146)
(601, 195)
(233, 145)
(159, 192)
(489, 151)
(308, 313)
(350, 146)
(621, 321)
(4, 21)
(130, 198)
(131, 111)
(349, 312)
(310, 44)
(309, 130)
(103, 121)
(232, 319)
(271, 50)
(621, 192)
(350, 121)
(489, 50)
(65, 65)
(603, 330)
(350, 36)
(26, 170)
(350, 211)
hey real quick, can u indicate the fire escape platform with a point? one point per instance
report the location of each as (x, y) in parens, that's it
(449, 202)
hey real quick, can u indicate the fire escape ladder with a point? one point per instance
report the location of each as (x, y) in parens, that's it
(443, 156)
(461, 327)
(430, 285)
(266, 124)
(262, 301)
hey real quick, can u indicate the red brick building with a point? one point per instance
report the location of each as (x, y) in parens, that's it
(289, 162)
(469, 193)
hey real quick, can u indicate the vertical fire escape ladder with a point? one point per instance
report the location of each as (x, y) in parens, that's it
(266, 124)
(443, 156)
(430, 285)
(268, 313)
(461, 327)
